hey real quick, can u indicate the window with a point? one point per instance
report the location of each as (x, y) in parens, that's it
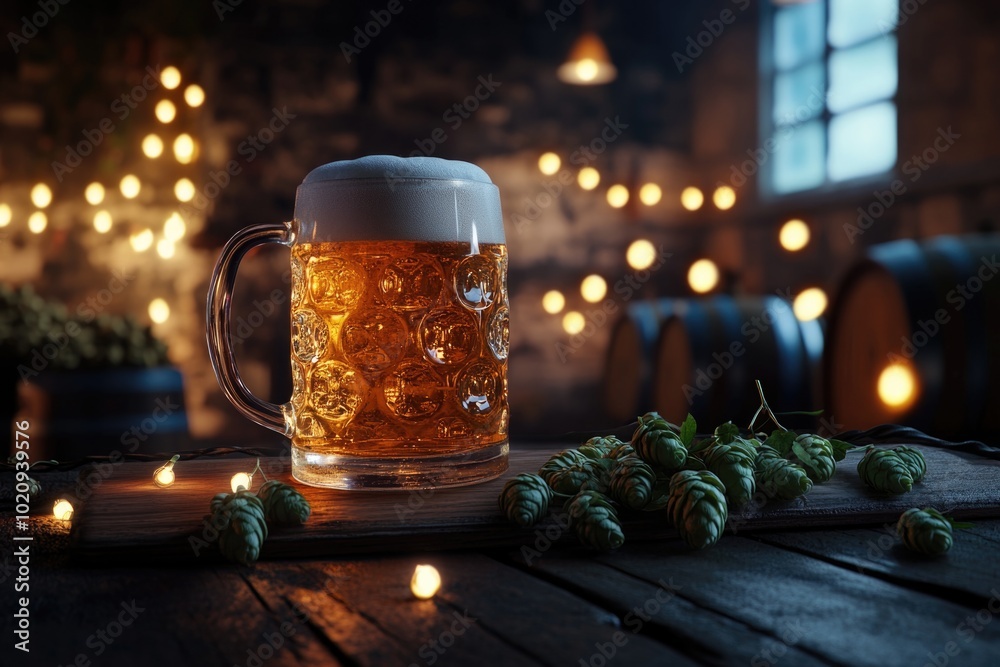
(829, 76)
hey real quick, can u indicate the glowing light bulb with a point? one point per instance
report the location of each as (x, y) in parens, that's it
(809, 304)
(62, 510)
(142, 241)
(650, 194)
(174, 228)
(240, 479)
(37, 222)
(159, 311)
(617, 196)
(426, 582)
(703, 276)
(553, 302)
(588, 178)
(6, 215)
(573, 322)
(724, 197)
(41, 195)
(897, 386)
(794, 235)
(586, 69)
(640, 254)
(164, 475)
(94, 194)
(102, 222)
(130, 186)
(194, 95)
(593, 288)
(549, 163)
(165, 248)
(184, 148)
(692, 198)
(184, 190)
(152, 146)
(165, 111)
(170, 77)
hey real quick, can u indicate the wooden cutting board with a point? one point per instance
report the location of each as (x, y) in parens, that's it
(128, 518)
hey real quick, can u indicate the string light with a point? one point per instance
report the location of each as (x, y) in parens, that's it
(794, 235)
(165, 248)
(553, 302)
(650, 194)
(692, 198)
(184, 190)
(573, 322)
(94, 194)
(724, 197)
(593, 288)
(588, 178)
(142, 241)
(41, 195)
(62, 510)
(703, 276)
(130, 186)
(37, 222)
(244, 480)
(164, 475)
(170, 77)
(165, 111)
(102, 222)
(174, 228)
(152, 146)
(640, 254)
(809, 304)
(617, 196)
(6, 215)
(159, 311)
(184, 148)
(194, 95)
(549, 163)
(897, 385)
(426, 582)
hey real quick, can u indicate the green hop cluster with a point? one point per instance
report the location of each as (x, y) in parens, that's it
(595, 521)
(283, 504)
(815, 455)
(925, 531)
(778, 477)
(697, 506)
(914, 461)
(525, 499)
(632, 482)
(656, 441)
(733, 463)
(599, 447)
(621, 451)
(242, 526)
(884, 470)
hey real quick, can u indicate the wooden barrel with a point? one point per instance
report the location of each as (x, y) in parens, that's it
(711, 351)
(933, 309)
(628, 372)
(78, 413)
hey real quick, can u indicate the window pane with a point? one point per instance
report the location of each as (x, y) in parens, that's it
(798, 94)
(798, 34)
(853, 21)
(798, 158)
(863, 142)
(866, 73)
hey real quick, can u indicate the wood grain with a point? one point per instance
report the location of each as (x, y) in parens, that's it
(128, 517)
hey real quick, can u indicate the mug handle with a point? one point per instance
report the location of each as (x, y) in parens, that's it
(220, 294)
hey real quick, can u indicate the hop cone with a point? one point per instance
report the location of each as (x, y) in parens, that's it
(525, 499)
(914, 461)
(733, 464)
(778, 477)
(925, 531)
(632, 482)
(242, 528)
(34, 488)
(697, 506)
(561, 461)
(599, 447)
(282, 503)
(815, 454)
(594, 521)
(655, 441)
(884, 470)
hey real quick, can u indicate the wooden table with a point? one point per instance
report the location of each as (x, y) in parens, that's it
(803, 597)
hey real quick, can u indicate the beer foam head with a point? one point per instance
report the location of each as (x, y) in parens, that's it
(382, 197)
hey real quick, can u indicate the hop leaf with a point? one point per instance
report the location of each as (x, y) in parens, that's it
(914, 461)
(632, 482)
(778, 477)
(595, 522)
(688, 430)
(815, 454)
(925, 531)
(525, 499)
(884, 470)
(697, 506)
(242, 528)
(656, 441)
(283, 504)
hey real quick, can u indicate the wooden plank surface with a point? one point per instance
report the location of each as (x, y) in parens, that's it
(128, 517)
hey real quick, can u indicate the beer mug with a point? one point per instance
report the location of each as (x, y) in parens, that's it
(399, 329)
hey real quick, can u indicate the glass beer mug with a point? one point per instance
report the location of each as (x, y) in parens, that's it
(399, 325)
